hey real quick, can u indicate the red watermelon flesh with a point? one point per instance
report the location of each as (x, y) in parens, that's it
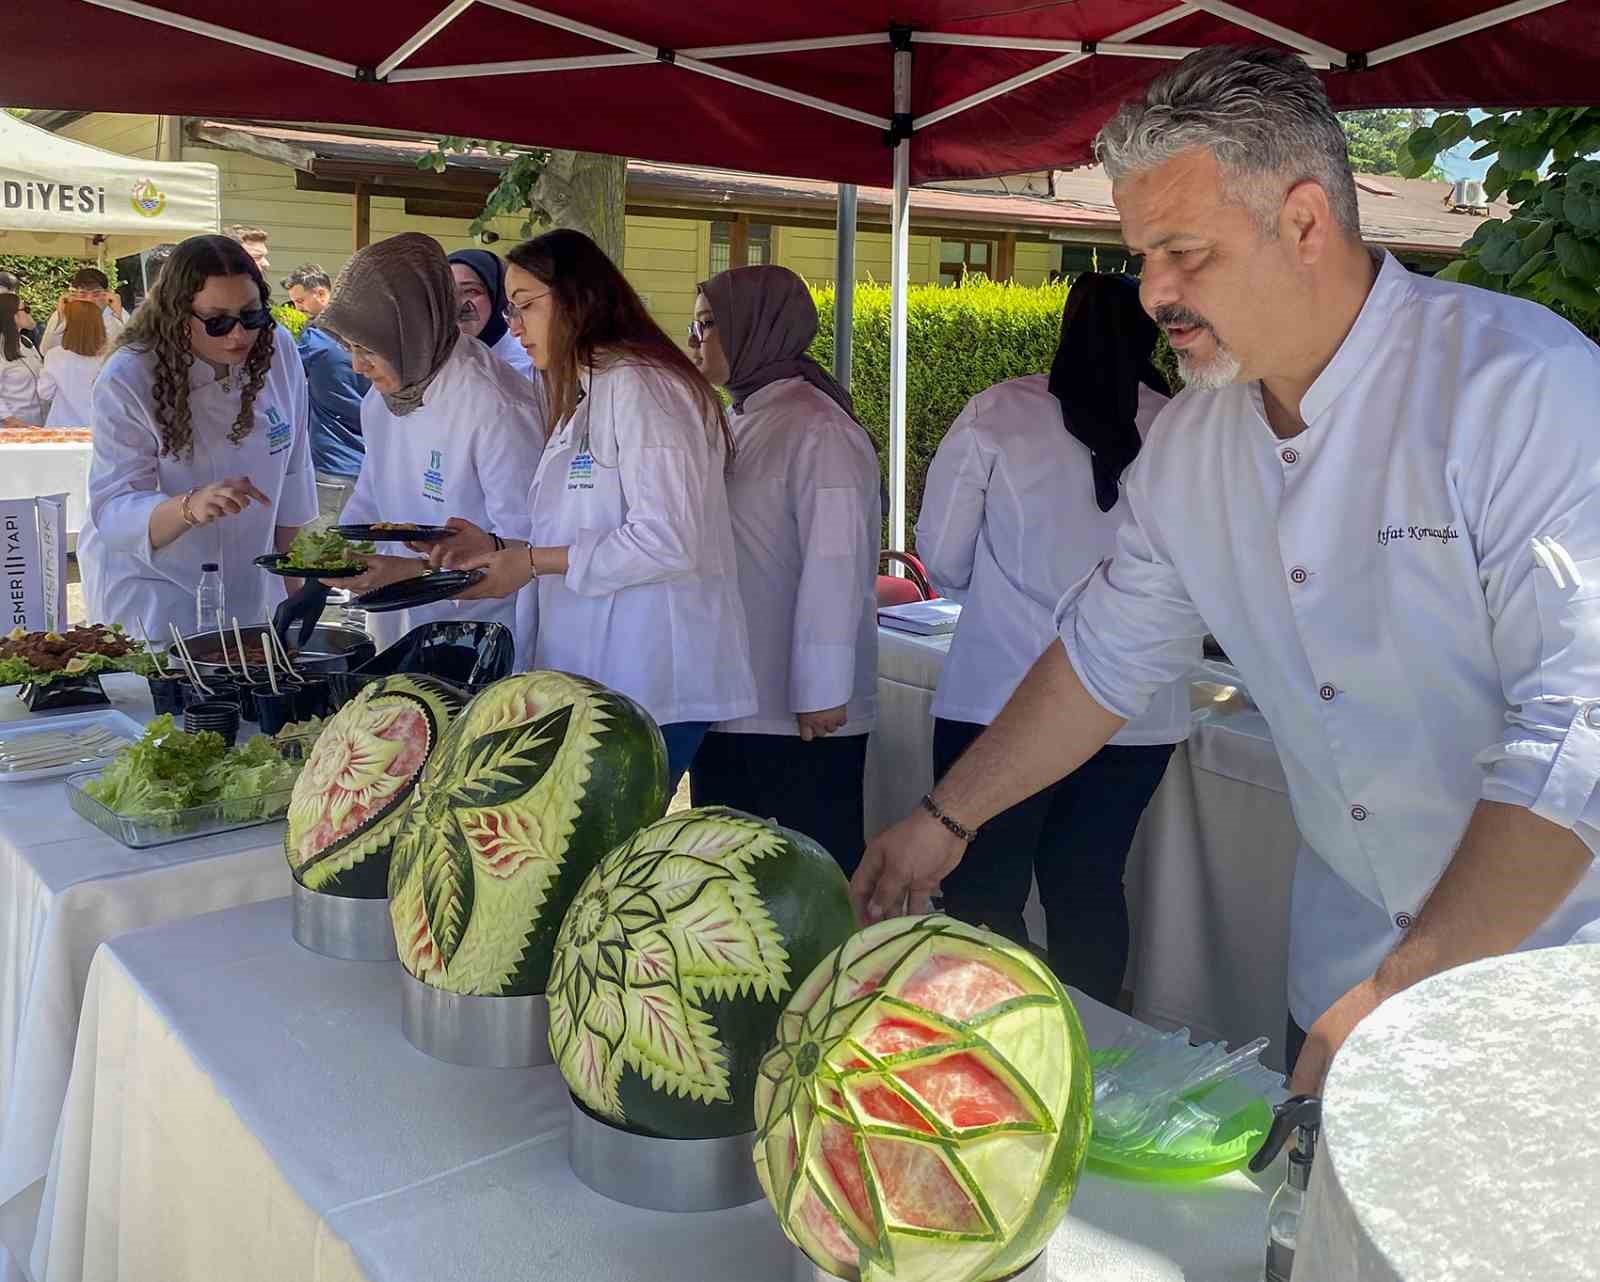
(406, 725)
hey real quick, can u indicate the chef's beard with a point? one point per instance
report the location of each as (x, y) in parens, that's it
(1221, 370)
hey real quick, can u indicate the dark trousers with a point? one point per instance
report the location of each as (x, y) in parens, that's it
(1294, 1041)
(814, 788)
(1074, 837)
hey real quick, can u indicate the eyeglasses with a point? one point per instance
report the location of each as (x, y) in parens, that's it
(511, 313)
(251, 318)
(697, 331)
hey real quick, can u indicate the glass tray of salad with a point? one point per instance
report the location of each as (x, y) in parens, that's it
(171, 786)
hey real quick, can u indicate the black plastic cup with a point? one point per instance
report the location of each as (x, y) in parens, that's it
(272, 711)
(215, 715)
(312, 699)
(167, 693)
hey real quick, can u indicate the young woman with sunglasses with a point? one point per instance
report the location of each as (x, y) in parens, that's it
(632, 546)
(200, 448)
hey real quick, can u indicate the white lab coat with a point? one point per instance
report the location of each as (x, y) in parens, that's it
(804, 498)
(1009, 522)
(633, 487)
(67, 383)
(1410, 587)
(125, 580)
(19, 386)
(509, 349)
(469, 450)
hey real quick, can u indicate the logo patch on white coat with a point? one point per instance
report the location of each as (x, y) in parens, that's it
(580, 472)
(279, 433)
(433, 478)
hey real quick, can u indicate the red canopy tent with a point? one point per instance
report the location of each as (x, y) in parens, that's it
(848, 90)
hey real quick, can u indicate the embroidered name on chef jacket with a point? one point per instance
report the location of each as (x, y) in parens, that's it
(433, 478)
(580, 473)
(1423, 533)
(278, 431)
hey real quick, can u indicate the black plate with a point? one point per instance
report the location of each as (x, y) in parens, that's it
(421, 589)
(386, 534)
(273, 563)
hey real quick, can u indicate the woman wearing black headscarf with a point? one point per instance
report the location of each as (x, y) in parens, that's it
(481, 306)
(1023, 499)
(804, 497)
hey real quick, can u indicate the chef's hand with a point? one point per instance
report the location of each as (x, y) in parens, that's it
(819, 725)
(383, 570)
(1327, 1035)
(224, 498)
(902, 867)
(469, 542)
(110, 298)
(508, 573)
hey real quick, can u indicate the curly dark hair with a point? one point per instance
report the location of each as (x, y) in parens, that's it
(161, 325)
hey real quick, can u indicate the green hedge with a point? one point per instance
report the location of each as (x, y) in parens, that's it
(290, 317)
(958, 341)
(44, 280)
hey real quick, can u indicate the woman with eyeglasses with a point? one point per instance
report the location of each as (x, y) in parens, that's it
(201, 451)
(631, 549)
(807, 522)
(450, 429)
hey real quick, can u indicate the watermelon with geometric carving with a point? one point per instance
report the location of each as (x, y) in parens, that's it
(350, 798)
(925, 1113)
(537, 778)
(673, 964)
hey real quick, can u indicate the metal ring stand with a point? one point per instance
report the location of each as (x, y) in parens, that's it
(338, 926)
(659, 1174)
(479, 1032)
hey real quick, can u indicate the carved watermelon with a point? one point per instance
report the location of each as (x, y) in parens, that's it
(673, 964)
(537, 779)
(349, 801)
(925, 1113)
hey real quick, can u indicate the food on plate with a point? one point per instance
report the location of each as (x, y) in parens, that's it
(39, 657)
(925, 1112)
(673, 964)
(170, 770)
(536, 780)
(350, 798)
(325, 549)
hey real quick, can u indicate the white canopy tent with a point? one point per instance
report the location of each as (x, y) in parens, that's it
(67, 198)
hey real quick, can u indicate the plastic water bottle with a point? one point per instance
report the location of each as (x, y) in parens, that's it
(208, 599)
(1303, 1115)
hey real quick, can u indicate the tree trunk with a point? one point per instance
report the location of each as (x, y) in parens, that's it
(588, 193)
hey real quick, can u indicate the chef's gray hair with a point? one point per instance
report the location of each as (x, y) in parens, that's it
(1261, 112)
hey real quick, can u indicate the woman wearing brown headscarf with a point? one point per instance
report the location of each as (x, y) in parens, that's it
(804, 497)
(449, 429)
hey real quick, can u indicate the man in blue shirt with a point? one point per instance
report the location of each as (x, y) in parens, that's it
(335, 391)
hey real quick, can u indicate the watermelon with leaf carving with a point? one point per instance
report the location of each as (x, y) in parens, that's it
(674, 962)
(925, 1112)
(350, 798)
(539, 776)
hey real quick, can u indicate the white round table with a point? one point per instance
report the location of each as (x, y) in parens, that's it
(1461, 1123)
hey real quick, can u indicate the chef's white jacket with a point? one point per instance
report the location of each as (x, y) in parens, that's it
(632, 485)
(67, 383)
(1009, 522)
(469, 450)
(807, 525)
(127, 581)
(1410, 587)
(510, 350)
(19, 386)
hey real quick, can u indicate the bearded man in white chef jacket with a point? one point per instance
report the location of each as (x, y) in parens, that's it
(1382, 494)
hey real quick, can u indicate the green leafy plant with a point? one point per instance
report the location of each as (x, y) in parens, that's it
(1377, 142)
(291, 318)
(514, 194)
(45, 279)
(1545, 165)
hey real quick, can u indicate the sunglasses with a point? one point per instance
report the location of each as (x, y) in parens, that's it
(251, 318)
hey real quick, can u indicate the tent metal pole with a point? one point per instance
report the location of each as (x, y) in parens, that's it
(1466, 27)
(899, 280)
(1272, 30)
(844, 285)
(786, 46)
(524, 67)
(229, 36)
(433, 27)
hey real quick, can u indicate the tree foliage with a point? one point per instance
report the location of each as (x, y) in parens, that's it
(1377, 140)
(1544, 164)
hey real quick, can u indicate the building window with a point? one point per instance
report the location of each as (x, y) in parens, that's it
(758, 245)
(959, 257)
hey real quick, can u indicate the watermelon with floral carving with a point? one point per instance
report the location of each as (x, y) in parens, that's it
(674, 962)
(925, 1112)
(350, 798)
(539, 776)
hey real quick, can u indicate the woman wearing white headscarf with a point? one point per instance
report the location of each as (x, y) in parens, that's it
(449, 429)
(804, 495)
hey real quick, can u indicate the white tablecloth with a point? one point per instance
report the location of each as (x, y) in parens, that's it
(243, 1109)
(1460, 1126)
(27, 471)
(1209, 872)
(66, 888)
